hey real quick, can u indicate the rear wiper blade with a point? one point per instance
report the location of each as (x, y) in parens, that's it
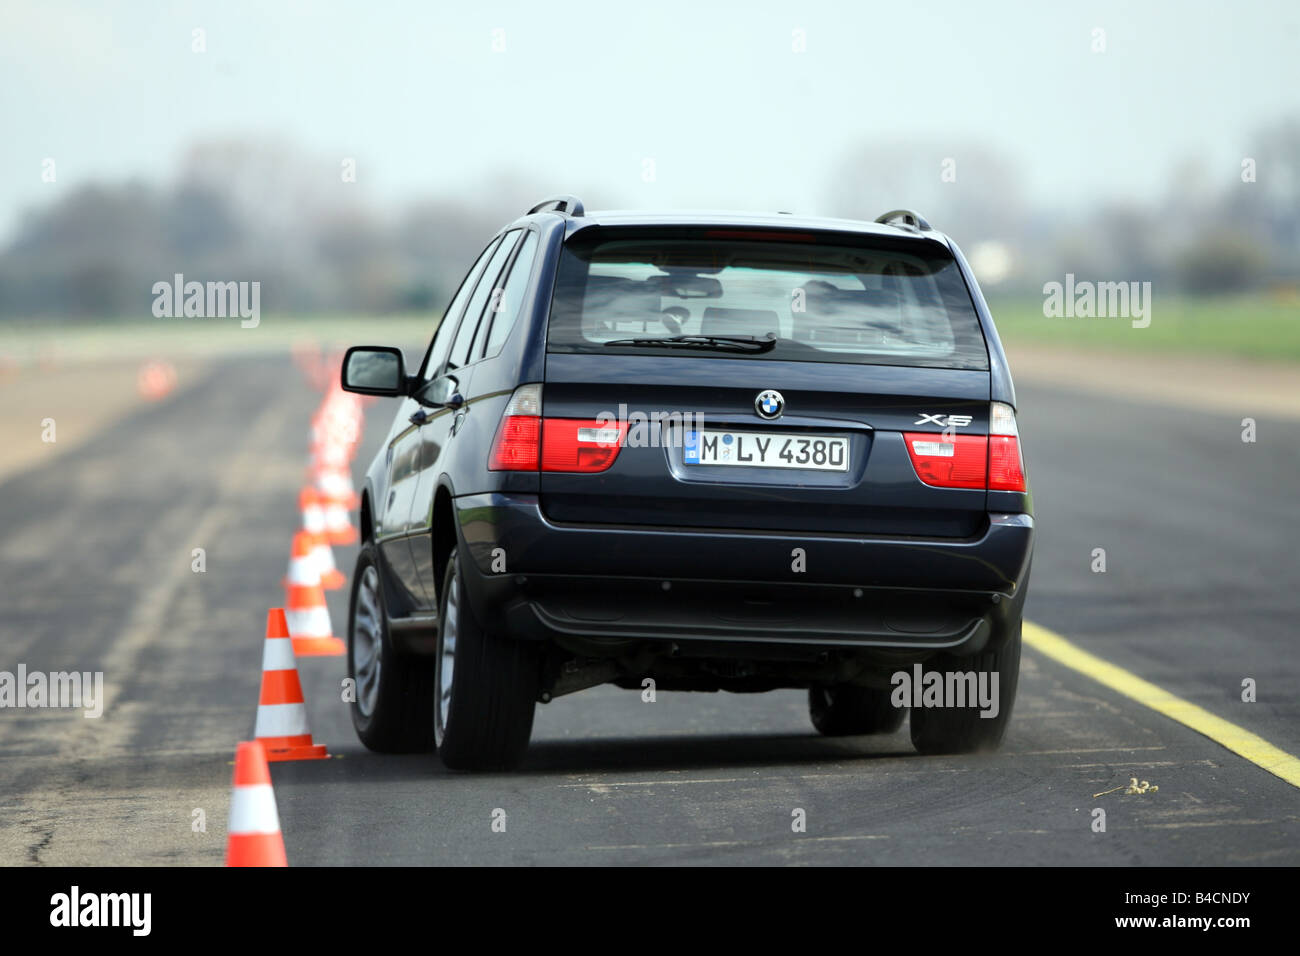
(722, 343)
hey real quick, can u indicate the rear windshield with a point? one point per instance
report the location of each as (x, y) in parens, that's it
(820, 297)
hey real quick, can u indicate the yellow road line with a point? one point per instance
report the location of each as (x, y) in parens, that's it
(1237, 739)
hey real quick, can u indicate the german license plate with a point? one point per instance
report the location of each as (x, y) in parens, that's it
(766, 450)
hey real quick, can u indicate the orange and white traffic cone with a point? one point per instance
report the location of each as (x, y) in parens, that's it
(334, 482)
(338, 526)
(311, 561)
(309, 624)
(330, 455)
(304, 566)
(331, 578)
(253, 835)
(281, 711)
(313, 512)
(156, 380)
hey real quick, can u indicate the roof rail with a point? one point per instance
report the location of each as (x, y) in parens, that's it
(913, 219)
(564, 205)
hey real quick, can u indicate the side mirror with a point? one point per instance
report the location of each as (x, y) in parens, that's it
(374, 370)
(443, 392)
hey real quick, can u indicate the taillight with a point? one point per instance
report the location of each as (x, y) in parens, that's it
(994, 462)
(518, 442)
(527, 442)
(580, 444)
(1006, 471)
(948, 461)
(1006, 465)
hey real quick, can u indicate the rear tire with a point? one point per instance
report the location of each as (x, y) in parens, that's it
(486, 685)
(392, 706)
(952, 730)
(846, 710)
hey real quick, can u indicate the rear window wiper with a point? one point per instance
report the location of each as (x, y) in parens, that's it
(720, 343)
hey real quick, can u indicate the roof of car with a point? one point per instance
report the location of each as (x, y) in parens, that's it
(725, 218)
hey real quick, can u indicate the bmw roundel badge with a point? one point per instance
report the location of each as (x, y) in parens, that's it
(769, 403)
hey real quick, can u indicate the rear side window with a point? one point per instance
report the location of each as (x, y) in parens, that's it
(465, 335)
(822, 297)
(439, 347)
(512, 296)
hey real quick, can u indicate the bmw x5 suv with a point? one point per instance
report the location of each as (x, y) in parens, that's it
(709, 451)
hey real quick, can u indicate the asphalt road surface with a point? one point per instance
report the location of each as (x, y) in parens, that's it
(96, 552)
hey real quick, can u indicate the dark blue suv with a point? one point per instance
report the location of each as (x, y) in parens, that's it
(695, 452)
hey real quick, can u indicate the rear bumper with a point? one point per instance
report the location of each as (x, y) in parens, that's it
(589, 587)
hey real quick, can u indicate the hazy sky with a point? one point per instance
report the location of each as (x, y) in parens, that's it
(584, 93)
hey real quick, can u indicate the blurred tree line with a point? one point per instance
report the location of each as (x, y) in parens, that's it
(241, 211)
(257, 211)
(1228, 229)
